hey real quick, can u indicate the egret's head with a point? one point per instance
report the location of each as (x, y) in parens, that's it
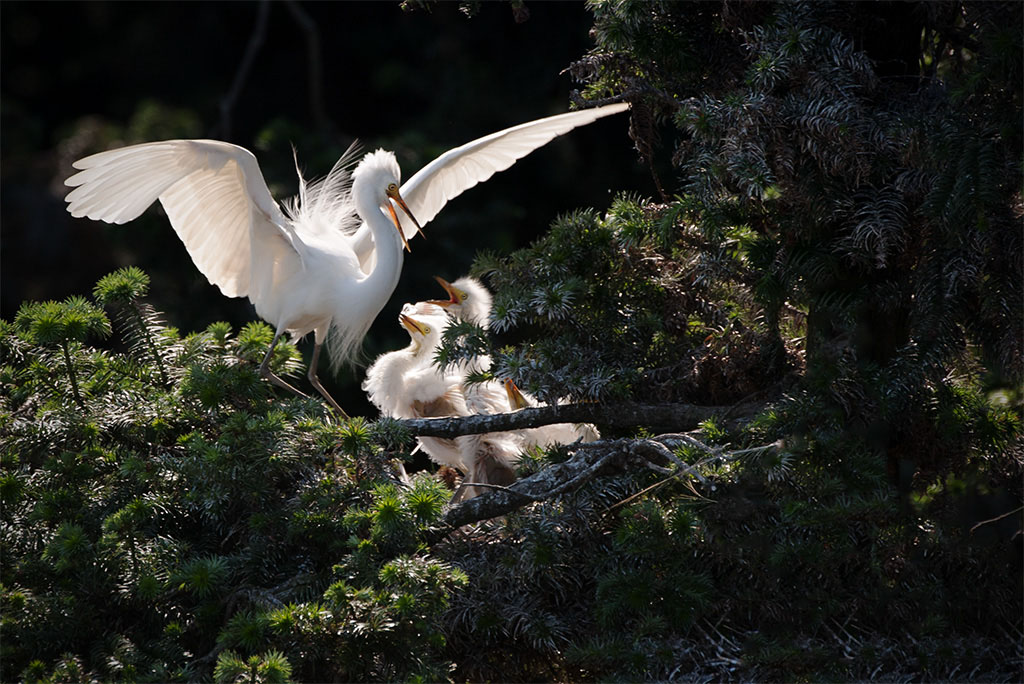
(456, 296)
(378, 173)
(467, 299)
(516, 400)
(423, 327)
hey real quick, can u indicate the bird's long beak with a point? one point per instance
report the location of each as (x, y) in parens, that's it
(396, 197)
(515, 398)
(411, 324)
(455, 295)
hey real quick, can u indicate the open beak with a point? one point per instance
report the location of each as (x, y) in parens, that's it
(411, 324)
(515, 398)
(455, 295)
(397, 199)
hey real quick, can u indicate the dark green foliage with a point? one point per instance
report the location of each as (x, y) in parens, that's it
(844, 246)
(175, 522)
(620, 308)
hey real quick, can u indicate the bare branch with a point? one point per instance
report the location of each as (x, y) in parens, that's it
(227, 103)
(588, 461)
(655, 416)
(315, 61)
(997, 518)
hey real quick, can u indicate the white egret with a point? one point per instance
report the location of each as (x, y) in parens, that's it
(326, 264)
(468, 300)
(296, 264)
(406, 384)
(559, 433)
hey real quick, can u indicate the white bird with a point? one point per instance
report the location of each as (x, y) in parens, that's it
(406, 384)
(297, 265)
(460, 168)
(325, 264)
(468, 300)
(559, 433)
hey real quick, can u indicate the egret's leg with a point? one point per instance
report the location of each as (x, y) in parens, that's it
(268, 374)
(461, 493)
(467, 446)
(403, 476)
(316, 382)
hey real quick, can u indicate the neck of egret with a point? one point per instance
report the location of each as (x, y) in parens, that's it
(375, 193)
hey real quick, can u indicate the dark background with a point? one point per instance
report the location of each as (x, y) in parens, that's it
(80, 77)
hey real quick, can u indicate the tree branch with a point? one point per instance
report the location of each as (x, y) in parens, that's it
(587, 463)
(315, 61)
(656, 416)
(589, 460)
(256, 39)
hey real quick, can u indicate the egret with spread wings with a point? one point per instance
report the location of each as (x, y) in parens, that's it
(325, 263)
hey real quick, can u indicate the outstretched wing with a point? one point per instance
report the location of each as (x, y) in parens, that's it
(213, 193)
(460, 168)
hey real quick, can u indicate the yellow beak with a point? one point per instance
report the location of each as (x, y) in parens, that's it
(396, 197)
(411, 324)
(515, 398)
(455, 295)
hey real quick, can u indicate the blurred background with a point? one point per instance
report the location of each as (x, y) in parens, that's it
(82, 77)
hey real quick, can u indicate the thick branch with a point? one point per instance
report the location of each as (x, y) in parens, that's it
(588, 461)
(675, 417)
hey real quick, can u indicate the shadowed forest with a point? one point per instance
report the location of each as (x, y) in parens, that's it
(786, 288)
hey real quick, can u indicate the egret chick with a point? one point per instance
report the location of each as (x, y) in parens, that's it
(468, 300)
(406, 384)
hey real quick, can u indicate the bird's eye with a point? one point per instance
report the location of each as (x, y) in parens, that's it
(426, 330)
(392, 187)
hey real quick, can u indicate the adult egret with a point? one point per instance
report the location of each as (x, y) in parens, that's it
(327, 263)
(406, 384)
(559, 433)
(296, 264)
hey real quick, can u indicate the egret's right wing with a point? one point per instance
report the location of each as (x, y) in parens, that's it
(461, 168)
(213, 193)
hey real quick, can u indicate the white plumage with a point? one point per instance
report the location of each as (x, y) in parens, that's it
(406, 384)
(297, 265)
(468, 300)
(461, 168)
(327, 262)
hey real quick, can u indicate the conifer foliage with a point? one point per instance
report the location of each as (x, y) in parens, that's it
(165, 518)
